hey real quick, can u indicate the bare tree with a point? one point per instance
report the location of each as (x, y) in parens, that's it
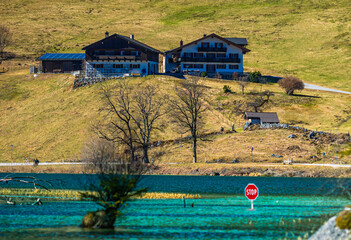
(290, 84)
(5, 38)
(258, 101)
(148, 108)
(255, 102)
(188, 109)
(243, 83)
(118, 110)
(98, 154)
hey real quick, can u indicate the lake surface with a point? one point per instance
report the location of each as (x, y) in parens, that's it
(196, 184)
(286, 209)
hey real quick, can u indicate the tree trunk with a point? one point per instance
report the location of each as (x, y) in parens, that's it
(194, 148)
(290, 92)
(145, 154)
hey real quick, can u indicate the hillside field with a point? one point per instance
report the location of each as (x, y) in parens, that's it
(310, 39)
(45, 118)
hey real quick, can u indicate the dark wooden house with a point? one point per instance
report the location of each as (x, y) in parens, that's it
(262, 117)
(118, 55)
(62, 62)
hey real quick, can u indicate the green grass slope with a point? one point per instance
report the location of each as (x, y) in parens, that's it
(309, 39)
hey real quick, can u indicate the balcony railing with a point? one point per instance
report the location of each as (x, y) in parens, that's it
(119, 57)
(212, 49)
(210, 60)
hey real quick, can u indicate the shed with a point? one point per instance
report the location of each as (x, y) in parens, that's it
(262, 117)
(62, 62)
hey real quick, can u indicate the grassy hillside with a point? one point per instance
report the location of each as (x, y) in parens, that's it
(43, 117)
(309, 39)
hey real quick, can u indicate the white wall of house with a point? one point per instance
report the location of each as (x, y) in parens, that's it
(168, 67)
(194, 49)
(119, 68)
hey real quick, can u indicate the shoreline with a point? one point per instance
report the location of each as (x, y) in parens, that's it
(205, 169)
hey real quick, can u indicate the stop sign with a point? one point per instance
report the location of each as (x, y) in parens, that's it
(251, 191)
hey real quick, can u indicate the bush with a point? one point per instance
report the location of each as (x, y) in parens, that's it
(290, 84)
(343, 220)
(203, 74)
(227, 89)
(255, 76)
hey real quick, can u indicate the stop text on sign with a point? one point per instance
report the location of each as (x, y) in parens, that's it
(251, 191)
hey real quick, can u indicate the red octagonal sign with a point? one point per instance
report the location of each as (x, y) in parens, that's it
(251, 191)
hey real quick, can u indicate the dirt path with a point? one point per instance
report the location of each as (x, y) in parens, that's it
(315, 87)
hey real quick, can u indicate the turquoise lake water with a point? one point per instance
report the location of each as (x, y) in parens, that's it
(297, 210)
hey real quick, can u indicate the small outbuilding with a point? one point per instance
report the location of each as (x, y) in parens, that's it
(262, 117)
(62, 62)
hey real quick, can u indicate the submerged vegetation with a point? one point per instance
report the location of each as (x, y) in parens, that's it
(75, 194)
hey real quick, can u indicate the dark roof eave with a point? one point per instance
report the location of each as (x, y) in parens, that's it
(245, 50)
(126, 38)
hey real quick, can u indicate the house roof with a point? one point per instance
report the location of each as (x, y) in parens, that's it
(239, 41)
(264, 116)
(62, 56)
(213, 35)
(127, 39)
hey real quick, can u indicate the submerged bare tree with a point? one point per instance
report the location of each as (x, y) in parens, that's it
(30, 180)
(148, 108)
(188, 109)
(117, 182)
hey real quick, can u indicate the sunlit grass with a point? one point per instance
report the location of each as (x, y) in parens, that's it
(309, 39)
(46, 119)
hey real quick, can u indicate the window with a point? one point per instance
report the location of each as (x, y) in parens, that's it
(188, 54)
(218, 45)
(211, 55)
(198, 66)
(117, 65)
(188, 66)
(110, 52)
(221, 66)
(233, 55)
(198, 55)
(98, 66)
(221, 55)
(233, 66)
(134, 66)
(205, 44)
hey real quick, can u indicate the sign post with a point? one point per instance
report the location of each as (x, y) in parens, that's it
(11, 154)
(323, 157)
(251, 192)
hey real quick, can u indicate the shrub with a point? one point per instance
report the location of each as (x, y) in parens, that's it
(255, 76)
(290, 84)
(343, 220)
(203, 74)
(227, 89)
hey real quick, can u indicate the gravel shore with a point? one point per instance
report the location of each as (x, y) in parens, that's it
(330, 232)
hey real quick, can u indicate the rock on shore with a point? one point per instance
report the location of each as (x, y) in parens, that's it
(331, 232)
